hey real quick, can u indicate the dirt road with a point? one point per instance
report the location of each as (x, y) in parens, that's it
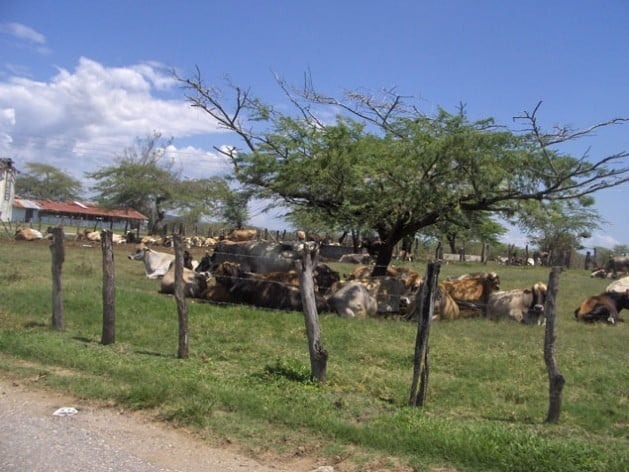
(100, 439)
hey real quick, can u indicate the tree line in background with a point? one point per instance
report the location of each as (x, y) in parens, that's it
(381, 168)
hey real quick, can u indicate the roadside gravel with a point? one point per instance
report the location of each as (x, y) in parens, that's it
(99, 439)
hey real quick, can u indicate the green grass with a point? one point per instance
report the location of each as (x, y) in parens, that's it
(247, 375)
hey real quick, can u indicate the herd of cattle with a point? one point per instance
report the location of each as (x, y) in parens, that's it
(261, 273)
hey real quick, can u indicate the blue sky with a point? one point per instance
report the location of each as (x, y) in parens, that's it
(80, 80)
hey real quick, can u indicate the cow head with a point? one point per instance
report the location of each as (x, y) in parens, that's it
(493, 281)
(205, 264)
(139, 253)
(535, 312)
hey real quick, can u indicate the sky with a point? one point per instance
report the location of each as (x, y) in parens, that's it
(80, 81)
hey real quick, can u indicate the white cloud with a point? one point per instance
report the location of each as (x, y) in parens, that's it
(22, 32)
(197, 163)
(79, 119)
(601, 240)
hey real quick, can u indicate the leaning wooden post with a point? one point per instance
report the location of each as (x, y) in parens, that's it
(182, 308)
(109, 289)
(421, 361)
(58, 257)
(555, 378)
(318, 355)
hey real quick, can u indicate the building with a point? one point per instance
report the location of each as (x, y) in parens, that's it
(74, 213)
(7, 188)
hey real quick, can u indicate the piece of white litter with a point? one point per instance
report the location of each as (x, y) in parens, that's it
(65, 411)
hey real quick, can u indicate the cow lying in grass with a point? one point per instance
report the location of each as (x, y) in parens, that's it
(522, 305)
(27, 234)
(277, 290)
(471, 292)
(603, 307)
(156, 263)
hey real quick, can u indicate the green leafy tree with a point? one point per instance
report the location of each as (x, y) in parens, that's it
(43, 181)
(558, 227)
(621, 249)
(142, 178)
(200, 199)
(384, 165)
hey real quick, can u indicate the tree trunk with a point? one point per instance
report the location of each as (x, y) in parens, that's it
(58, 257)
(318, 354)
(383, 259)
(182, 308)
(109, 290)
(556, 380)
(426, 308)
(451, 238)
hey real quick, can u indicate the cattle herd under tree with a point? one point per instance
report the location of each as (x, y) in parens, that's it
(262, 274)
(239, 268)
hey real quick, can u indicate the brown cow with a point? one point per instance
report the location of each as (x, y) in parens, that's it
(445, 306)
(239, 235)
(262, 290)
(603, 307)
(471, 292)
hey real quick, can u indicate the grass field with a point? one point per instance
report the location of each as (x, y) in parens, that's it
(246, 380)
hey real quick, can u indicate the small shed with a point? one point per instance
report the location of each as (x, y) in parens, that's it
(75, 213)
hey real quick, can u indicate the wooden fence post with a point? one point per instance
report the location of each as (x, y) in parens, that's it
(556, 380)
(421, 361)
(182, 307)
(58, 257)
(318, 354)
(109, 289)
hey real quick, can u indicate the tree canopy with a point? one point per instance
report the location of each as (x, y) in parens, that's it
(385, 165)
(43, 181)
(141, 178)
(145, 179)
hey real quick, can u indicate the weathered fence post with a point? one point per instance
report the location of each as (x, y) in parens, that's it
(109, 289)
(556, 380)
(182, 308)
(58, 257)
(318, 355)
(426, 308)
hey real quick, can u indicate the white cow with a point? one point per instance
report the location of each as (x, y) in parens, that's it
(353, 300)
(156, 263)
(620, 285)
(194, 284)
(522, 305)
(27, 234)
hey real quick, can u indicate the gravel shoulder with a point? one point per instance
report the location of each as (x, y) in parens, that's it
(102, 439)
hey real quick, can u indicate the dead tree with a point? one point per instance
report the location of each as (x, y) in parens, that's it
(58, 257)
(556, 380)
(421, 360)
(318, 354)
(182, 307)
(109, 289)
